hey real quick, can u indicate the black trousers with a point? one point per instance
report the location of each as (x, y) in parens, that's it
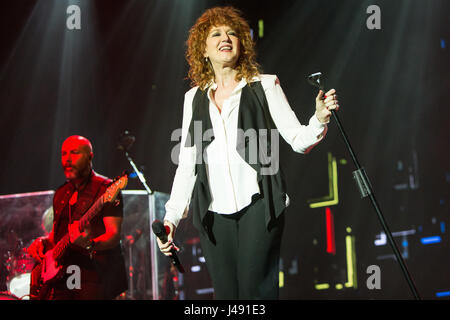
(242, 254)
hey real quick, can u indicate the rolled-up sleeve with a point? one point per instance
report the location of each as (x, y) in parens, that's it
(302, 138)
(178, 204)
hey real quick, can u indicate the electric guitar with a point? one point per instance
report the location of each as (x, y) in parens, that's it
(50, 269)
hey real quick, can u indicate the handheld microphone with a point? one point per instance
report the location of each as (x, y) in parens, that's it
(315, 80)
(160, 231)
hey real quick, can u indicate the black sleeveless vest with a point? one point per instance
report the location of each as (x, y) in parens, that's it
(253, 115)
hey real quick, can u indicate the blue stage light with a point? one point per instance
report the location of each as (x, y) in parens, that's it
(429, 240)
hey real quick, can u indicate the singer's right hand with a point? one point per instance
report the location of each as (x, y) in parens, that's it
(167, 247)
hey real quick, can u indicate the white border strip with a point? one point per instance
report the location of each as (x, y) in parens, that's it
(134, 192)
(28, 194)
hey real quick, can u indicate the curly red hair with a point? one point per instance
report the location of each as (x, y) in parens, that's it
(200, 73)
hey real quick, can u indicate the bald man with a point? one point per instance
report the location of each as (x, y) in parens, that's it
(76, 158)
(95, 250)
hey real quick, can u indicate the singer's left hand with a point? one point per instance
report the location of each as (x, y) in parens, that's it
(324, 106)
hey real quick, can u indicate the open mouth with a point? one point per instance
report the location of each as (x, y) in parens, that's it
(226, 48)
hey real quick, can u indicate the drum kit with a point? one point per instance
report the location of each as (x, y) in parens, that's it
(19, 265)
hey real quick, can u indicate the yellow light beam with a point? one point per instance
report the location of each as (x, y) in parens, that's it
(351, 262)
(281, 279)
(333, 196)
(322, 286)
(261, 28)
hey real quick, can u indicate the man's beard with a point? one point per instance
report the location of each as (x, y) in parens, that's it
(74, 173)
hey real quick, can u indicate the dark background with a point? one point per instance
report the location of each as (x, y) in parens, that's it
(125, 70)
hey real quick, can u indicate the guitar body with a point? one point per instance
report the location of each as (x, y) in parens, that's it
(35, 283)
(38, 290)
(51, 269)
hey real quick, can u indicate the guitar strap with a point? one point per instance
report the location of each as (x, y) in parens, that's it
(60, 201)
(85, 199)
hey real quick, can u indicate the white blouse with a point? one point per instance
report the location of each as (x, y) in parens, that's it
(232, 181)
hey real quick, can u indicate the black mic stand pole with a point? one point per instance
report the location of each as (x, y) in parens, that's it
(365, 188)
(138, 173)
(131, 241)
(126, 140)
(130, 269)
(125, 143)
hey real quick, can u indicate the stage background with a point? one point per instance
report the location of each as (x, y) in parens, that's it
(125, 70)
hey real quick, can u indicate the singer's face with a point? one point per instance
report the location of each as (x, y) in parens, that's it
(76, 157)
(222, 46)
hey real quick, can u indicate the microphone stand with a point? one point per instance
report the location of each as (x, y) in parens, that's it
(365, 188)
(125, 143)
(126, 140)
(131, 240)
(130, 270)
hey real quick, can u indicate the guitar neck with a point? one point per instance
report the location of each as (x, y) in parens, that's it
(91, 213)
(62, 244)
